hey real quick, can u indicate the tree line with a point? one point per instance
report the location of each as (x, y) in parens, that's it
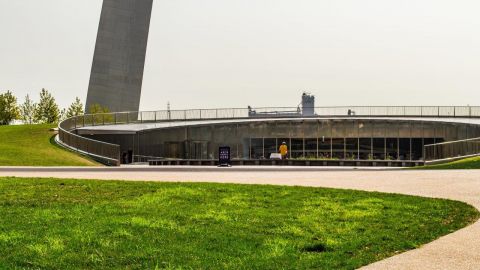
(45, 111)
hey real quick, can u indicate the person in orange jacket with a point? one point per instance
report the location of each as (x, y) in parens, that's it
(283, 150)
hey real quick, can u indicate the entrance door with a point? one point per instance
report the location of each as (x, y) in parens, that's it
(197, 149)
(174, 150)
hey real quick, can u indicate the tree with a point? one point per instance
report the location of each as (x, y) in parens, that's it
(101, 114)
(8, 108)
(97, 108)
(75, 109)
(27, 111)
(63, 115)
(47, 110)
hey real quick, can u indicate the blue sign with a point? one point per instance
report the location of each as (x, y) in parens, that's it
(224, 156)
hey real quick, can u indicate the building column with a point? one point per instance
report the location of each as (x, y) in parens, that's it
(263, 147)
(304, 156)
(384, 147)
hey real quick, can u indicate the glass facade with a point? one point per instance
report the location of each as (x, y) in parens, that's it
(323, 139)
(342, 148)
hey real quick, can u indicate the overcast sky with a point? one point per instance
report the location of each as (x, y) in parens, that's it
(234, 53)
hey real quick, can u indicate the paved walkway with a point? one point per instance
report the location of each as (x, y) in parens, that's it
(459, 250)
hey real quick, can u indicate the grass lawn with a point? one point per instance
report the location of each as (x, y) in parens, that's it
(468, 163)
(32, 145)
(65, 224)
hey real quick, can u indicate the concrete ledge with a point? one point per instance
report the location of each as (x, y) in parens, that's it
(302, 163)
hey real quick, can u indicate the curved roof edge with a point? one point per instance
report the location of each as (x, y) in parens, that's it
(133, 128)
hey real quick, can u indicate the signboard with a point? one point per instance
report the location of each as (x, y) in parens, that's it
(224, 156)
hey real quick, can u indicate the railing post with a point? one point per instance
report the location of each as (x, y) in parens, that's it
(76, 143)
(128, 117)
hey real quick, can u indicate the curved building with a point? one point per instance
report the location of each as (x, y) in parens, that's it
(396, 134)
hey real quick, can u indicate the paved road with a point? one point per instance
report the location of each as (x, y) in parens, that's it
(459, 250)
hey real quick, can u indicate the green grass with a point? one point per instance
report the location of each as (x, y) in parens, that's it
(32, 145)
(74, 224)
(468, 163)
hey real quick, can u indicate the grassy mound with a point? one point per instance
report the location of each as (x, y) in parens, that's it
(31, 145)
(468, 163)
(72, 224)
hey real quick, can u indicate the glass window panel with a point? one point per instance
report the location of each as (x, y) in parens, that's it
(417, 149)
(379, 148)
(296, 149)
(311, 148)
(365, 148)
(270, 147)
(404, 149)
(338, 148)
(352, 148)
(256, 148)
(392, 148)
(324, 148)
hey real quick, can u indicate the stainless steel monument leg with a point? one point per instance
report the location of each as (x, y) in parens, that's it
(118, 63)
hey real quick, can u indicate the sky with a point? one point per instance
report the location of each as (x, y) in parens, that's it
(235, 53)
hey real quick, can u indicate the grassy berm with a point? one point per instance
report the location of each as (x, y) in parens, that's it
(73, 224)
(32, 145)
(464, 164)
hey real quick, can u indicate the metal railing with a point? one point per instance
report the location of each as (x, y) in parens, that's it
(454, 149)
(106, 153)
(110, 153)
(275, 112)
